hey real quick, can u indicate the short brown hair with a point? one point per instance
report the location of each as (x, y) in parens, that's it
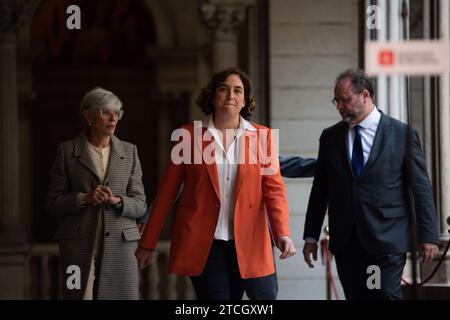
(205, 99)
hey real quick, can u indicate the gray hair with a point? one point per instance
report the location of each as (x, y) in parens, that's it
(99, 98)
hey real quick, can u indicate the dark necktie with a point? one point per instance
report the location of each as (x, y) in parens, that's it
(357, 153)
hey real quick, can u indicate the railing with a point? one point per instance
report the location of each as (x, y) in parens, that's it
(44, 275)
(156, 284)
(45, 278)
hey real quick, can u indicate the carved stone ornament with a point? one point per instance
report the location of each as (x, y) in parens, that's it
(222, 20)
(11, 14)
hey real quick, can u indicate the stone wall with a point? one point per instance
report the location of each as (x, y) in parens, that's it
(310, 43)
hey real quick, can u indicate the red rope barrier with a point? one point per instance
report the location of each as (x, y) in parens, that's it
(327, 261)
(435, 269)
(326, 258)
(330, 274)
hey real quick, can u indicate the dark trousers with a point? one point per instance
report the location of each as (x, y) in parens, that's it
(352, 269)
(220, 279)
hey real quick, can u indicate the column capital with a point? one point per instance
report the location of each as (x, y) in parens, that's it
(11, 14)
(223, 18)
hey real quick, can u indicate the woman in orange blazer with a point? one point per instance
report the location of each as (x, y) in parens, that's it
(228, 173)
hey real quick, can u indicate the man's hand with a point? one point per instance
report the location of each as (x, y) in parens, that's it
(287, 247)
(427, 251)
(308, 249)
(144, 257)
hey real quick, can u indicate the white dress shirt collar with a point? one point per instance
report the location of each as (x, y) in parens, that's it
(217, 134)
(371, 120)
(208, 123)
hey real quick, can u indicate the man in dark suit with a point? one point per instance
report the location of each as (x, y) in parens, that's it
(362, 178)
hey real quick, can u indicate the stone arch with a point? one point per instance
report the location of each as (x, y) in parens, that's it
(59, 77)
(165, 30)
(112, 33)
(160, 12)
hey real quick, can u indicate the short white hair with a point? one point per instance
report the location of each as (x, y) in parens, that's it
(99, 98)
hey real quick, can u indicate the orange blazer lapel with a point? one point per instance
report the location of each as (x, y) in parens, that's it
(210, 167)
(245, 163)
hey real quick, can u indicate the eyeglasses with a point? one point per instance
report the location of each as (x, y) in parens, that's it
(344, 100)
(107, 113)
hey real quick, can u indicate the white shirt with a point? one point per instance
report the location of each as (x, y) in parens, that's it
(99, 157)
(368, 130)
(227, 169)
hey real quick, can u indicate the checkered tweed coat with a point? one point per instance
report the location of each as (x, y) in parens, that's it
(73, 172)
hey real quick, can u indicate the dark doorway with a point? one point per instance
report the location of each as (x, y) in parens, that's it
(111, 51)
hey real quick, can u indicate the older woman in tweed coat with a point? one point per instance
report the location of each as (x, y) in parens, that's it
(96, 192)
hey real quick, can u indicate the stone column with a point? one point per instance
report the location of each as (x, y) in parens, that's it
(223, 18)
(440, 283)
(444, 126)
(13, 249)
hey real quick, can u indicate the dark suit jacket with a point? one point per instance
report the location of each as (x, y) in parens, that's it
(376, 202)
(297, 167)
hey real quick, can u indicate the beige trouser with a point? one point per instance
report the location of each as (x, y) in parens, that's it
(95, 263)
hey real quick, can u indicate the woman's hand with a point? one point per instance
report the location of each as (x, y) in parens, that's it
(101, 194)
(141, 227)
(97, 196)
(287, 247)
(144, 257)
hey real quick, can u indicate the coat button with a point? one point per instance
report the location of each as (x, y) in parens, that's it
(106, 234)
(217, 205)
